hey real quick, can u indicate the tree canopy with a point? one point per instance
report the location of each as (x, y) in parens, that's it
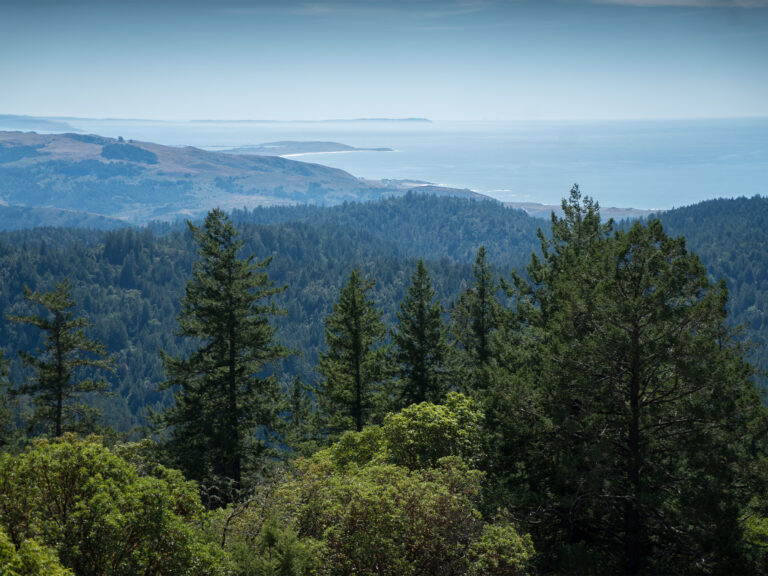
(646, 404)
(222, 391)
(354, 363)
(60, 366)
(421, 343)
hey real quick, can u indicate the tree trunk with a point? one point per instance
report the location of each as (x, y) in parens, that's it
(632, 521)
(232, 449)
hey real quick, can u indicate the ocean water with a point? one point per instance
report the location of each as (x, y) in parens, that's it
(640, 164)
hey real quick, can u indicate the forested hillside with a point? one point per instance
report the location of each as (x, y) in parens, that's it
(422, 226)
(730, 237)
(441, 409)
(129, 281)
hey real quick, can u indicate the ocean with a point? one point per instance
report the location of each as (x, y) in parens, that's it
(650, 164)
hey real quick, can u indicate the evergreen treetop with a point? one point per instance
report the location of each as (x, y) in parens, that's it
(221, 390)
(62, 365)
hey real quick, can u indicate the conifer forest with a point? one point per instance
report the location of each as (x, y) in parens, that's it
(416, 386)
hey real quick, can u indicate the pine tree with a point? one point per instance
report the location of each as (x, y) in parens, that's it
(354, 364)
(475, 318)
(64, 365)
(642, 404)
(300, 426)
(221, 396)
(421, 346)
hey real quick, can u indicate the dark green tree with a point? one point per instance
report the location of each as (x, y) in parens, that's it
(475, 318)
(354, 364)
(644, 406)
(300, 426)
(421, 345)
(6, 415)
(64, 366)
(221, 392)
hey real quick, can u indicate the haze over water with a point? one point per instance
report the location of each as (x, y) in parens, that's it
(641, 164)
(557, 77)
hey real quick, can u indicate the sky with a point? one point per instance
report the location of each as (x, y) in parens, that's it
(443, 60)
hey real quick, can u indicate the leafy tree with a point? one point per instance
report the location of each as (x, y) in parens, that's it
(61, 364)
(29, 559)
(220, 396)
(421, 346)
(100, 515)
(501, 551)
(400, 499)
(421, 434)
(646, 406)
(354, 364)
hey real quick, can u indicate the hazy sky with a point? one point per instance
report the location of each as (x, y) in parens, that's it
(447, 60)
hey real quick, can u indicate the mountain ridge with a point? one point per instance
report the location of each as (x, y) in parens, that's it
(138, 182)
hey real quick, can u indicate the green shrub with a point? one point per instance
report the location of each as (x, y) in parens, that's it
(100, 515)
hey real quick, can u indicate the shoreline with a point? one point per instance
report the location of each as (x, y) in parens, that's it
(295, 154)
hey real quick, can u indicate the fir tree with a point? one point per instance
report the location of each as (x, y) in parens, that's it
(421, 348)
(354, 364)
(643, 407)
(475, 318)
(64, 365)
(221, 394)
(300, 425)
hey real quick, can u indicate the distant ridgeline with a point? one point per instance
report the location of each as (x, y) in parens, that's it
(138, 182)
(292, 147)
(128, 281)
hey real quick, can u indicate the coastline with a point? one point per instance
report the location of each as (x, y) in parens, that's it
(294, 154)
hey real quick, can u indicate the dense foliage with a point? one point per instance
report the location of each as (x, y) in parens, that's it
(29, 559)
(60, 375)
(102, 514)
(400, 499)
(593, 413)
(646, 413)
(354, 364)
(220, 394)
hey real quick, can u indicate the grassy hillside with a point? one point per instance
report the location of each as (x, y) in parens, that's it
(141, 181)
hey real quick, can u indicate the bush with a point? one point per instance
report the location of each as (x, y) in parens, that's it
(100, 515)
(400, 500)
(30, 559)
(418, 436)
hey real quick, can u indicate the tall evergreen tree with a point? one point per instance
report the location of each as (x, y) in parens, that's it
(354, 364)
(421, 345)
(221, 393)
(474, 319)
(300, 426)
(644, 406)
(64, 366)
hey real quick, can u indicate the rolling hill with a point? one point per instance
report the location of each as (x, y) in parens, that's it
(141, 181)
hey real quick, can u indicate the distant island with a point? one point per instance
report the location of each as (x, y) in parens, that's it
(27, 123)
(545, 210)
(67, 123)
(380, 120)
(326, 121)
(294, 148)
